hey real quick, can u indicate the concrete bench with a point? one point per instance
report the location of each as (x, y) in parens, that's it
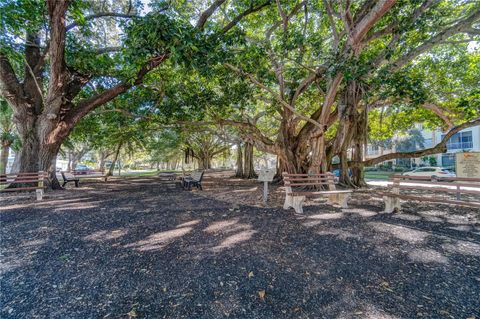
(300, 186)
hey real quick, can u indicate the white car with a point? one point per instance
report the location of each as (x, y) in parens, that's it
(434, 172)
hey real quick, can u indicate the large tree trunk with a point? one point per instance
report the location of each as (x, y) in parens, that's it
(4, 156)
(248, 170)
(239, 170)
(40, 146)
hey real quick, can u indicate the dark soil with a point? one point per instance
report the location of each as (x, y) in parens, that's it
(142, 248)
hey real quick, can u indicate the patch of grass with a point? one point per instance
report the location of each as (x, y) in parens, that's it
(381, 175)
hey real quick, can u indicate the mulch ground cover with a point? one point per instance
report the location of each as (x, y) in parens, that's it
(145, 248)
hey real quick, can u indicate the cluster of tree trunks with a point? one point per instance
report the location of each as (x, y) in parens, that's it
(245, 159)
(305, 148)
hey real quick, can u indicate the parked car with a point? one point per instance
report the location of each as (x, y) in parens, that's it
(81, 169)
(433, 172)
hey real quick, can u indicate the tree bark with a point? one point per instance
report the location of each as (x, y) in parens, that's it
(239, 169)
(4, 156)
(115, 158)
(248, 170)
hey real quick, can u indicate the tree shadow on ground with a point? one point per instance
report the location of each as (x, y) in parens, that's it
(153, 251)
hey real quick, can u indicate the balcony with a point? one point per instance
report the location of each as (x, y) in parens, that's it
(459, 145)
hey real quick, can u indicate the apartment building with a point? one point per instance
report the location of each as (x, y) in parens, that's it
(467, 140)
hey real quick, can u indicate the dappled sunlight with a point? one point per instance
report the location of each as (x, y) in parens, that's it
(159, 240)
(327, 216)
(404, 233)
(104, 235)
(15, 206)
(424, 255)
(368, 312)
(75, 206)
(312, 223)
(341, 234)
(190, 223)
(234, 240)
(360, 211)
(465, 228)
(245, 190)
(458, 219)
(33, 243)
(20, 255)
(462, 247)
(405, 216)
(221, 226)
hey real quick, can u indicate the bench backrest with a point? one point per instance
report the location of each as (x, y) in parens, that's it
(29, 181)
(197, 176)
(458, 185)
(301, 180)
(67, 176)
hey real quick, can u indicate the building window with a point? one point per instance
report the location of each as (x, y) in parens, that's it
(448, 160)
(460, 141)
(428, 143)
(373, 150)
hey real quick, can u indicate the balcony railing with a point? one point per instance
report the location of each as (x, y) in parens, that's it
(460, 145)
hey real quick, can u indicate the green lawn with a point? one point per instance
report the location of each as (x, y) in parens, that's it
(379, 175)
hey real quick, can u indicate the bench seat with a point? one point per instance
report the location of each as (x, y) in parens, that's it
(456, 186)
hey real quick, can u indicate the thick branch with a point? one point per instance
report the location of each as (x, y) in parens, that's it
(275, 95)
(10, 87)
(245, 13)
(440, 113)
(462, 26)
(361, 29)
(58, 74)
(87, 105)
(207, 13)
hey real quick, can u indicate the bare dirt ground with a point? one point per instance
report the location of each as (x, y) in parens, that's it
(145, 248)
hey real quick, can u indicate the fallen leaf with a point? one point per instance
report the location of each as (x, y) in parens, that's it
(261, 294)
(250, 274)
(132, 314)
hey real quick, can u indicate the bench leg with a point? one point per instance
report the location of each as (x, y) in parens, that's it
(391, 204)
(297, 203)
(64, 183)
(76, 183)
(339, 199)
(39, 193)
(344, 200)
(288, 202)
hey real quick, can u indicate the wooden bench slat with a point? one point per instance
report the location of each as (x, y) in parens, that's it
(20, 189)
(320, 192)
(18, 181)
(305, 184)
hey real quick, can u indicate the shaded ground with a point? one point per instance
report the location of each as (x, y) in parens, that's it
(141, 248)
